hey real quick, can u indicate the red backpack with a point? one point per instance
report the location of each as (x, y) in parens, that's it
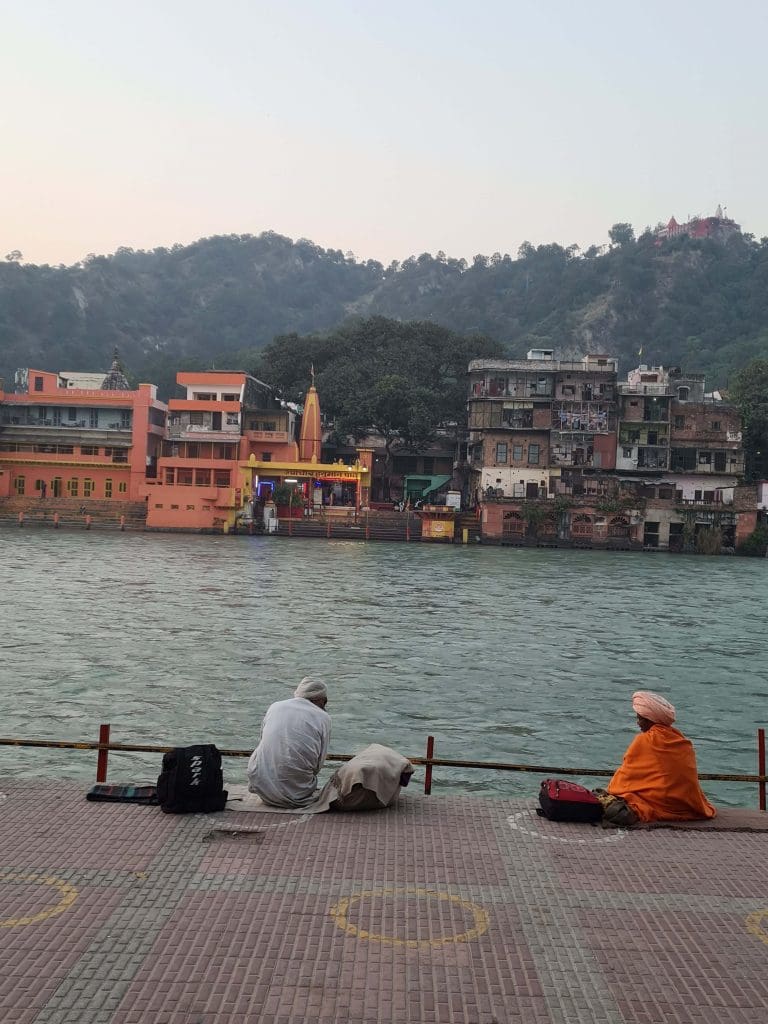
(567, 801)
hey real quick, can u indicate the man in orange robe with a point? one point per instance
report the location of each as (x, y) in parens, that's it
(658, 779)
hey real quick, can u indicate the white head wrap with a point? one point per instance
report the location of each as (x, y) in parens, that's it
(310, 688)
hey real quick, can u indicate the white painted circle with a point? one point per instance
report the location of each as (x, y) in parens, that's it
(514, 821)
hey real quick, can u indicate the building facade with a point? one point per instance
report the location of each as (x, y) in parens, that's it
(59, 441)
(653, 461)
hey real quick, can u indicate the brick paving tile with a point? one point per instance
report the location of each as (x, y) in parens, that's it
(444, 910)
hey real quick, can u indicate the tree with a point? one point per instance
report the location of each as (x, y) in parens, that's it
(403, 381)
(750, 392)
(621, 234)
(14, 256)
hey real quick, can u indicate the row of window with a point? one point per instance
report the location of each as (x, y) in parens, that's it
(198, 477)
(56, 416)
(715, 425)
(199, 450)
(57, 487)
(502, 451)
(115, 454)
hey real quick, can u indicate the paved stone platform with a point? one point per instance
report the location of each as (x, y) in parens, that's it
(443, 909)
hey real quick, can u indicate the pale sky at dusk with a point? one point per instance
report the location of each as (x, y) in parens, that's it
(388, 129)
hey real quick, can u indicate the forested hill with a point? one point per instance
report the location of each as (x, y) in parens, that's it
(700, 304)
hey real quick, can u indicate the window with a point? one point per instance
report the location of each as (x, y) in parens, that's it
(266, 456)
(38, 383)
(230, 398)
(71, 415)
(517, 453)
(203, 396)
(202, 478)
(108, 487)
(193, 450)
(122, 487)
(679, 422)
(73, 487)
(184, 477)
(125, 419)
(569, 389)
(20, 482)
(716, 425)
(233, 419)
(87, 449)
(93, 418)
(170, 477)
(39, 485)
(195, 419)
(429, 465)
(87, 487)
(705, 458)
(116, 454)
(56, 416)
(633, 404)
(626, 453)
(719, 462)
(682, 394)
(501, 452)
(221, 478)
(533, 454)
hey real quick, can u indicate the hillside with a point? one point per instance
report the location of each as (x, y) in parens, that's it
(698, 303)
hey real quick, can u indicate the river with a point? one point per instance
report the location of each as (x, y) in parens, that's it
(502, 654)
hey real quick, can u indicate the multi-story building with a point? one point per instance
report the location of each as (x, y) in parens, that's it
(59, 441)
(644, 404)
(653, 461)
(540, 426)
(224, 418)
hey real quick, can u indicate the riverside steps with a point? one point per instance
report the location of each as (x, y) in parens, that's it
(440, 910)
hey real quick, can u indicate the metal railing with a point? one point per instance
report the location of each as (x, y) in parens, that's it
(103, 746)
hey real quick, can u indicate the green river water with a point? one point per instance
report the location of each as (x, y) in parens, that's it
(502, 654)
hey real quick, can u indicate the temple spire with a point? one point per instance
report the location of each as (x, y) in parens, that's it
(311, 436)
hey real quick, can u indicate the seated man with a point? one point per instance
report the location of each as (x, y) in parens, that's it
(657, 780)
(295, 733)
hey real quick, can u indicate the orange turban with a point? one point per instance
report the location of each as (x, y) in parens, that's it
(653, 707)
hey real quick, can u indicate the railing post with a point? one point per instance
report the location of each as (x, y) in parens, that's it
(101, 761)
(328, 528)
(428, 767)
(761, 767)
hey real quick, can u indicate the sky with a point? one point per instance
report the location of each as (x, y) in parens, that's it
(382, 129)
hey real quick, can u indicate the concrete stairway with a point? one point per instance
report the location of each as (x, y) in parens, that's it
(72, 512)
(374, 525)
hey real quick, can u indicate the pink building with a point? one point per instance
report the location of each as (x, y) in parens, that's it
(61, 440)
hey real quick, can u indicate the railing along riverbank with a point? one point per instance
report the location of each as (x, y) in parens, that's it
(430, 762)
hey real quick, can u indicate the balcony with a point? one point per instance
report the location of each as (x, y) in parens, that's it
(276, 436)
(203, 432)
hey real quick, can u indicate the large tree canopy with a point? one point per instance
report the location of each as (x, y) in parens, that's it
(403, 380)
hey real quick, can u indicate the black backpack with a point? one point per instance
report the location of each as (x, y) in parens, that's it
(191, 781)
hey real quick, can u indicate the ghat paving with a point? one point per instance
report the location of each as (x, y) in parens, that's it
(442, 909)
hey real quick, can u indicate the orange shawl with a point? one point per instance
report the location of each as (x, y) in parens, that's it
(658, 777)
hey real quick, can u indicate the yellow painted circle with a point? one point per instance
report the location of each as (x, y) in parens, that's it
(480, 919)
(756, 925)
(68, 896)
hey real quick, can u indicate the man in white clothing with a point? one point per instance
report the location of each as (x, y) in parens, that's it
(295, 734)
